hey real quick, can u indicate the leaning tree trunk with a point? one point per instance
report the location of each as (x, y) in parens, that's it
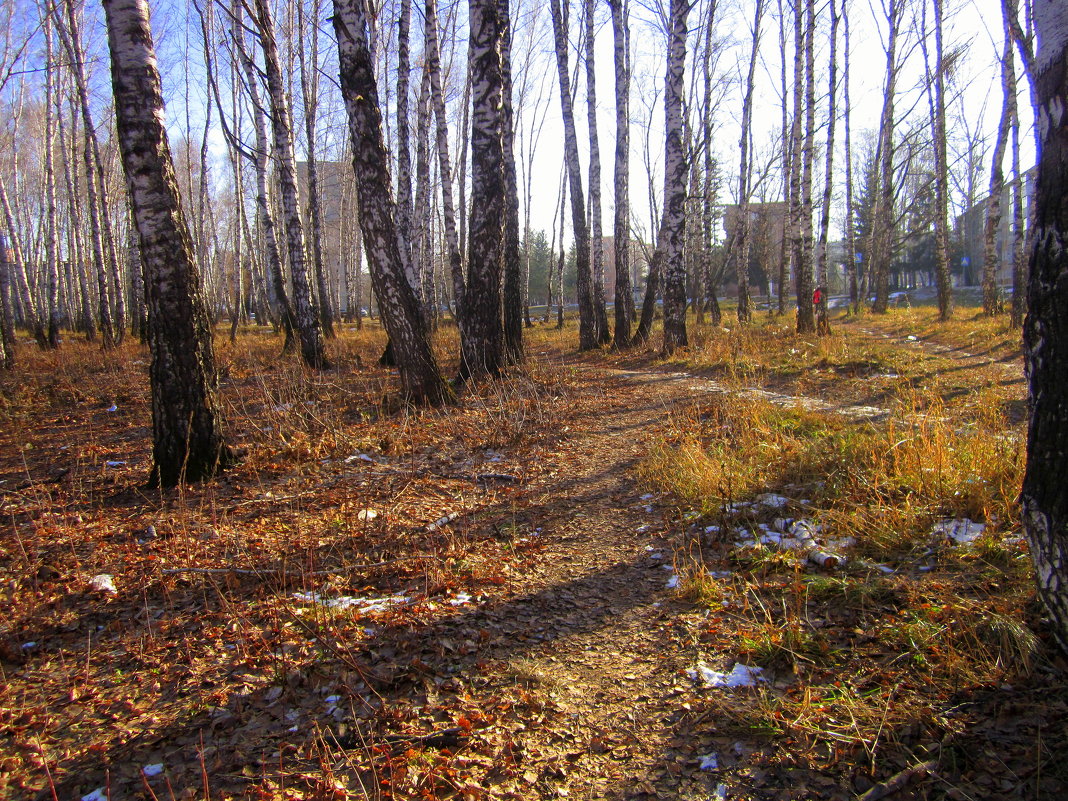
(600, 316)
(311, 341)
(187, 438)
(587, 318)
(673, 230)
(483, 343)
(398, 304)
(624, 301)
(1044, 497)
(991, 256)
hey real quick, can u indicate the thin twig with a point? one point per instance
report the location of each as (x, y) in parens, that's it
(218, 571)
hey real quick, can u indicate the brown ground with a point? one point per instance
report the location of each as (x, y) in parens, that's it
(563, 677)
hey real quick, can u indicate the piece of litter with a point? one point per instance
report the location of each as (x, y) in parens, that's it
(672, 582)
(99, 794)
(460, 599)
(912, 338)
(709, 762)
(740, 676)
(961, 531)
(366, 515)
(103, 582)
(154, 769)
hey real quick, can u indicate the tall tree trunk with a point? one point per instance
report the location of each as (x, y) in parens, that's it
(309, 89)
(806, 318)
(881, 237)
(7, 317)
(483, 345)
(991, 257)
(311, 342)
(587, 318)
(1044, 497)
(673, 230)
(113, 329)
(600, 316)
(404, 157)
(452, 243)
(822, 324)
(512, 266)
(51, 213)
(741, 245)
(187, 437)
(421, 379)
(941, 167)
(1019, 231)
(850, 224)
(277, 293)
(624, 299)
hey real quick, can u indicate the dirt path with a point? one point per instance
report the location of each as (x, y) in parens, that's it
(578, 674)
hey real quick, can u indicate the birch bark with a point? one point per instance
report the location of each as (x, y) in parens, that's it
(1044, 497)
(421, 379)
(311, 342)
(673, 230)
(587, 319)
(624, 299)
(187, 439)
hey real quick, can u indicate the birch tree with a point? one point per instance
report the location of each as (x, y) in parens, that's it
(673, 229)
(483, 343)
(822, 324)
(600, 316)
(741, 244)
(399, 306)
(311, 341)
(187, 438)
(1044, 497)
(624, 301)
(587, 318)
(991, 257)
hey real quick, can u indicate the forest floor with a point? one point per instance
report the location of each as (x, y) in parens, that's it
(544, 591)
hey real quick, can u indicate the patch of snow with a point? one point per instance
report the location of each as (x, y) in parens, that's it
(668, 567)
(103, 582)
(460, 599)
(740, 676)
(656, 555)
(113, 408)
(647, 497)
(350, 602)
(363, 457)
(155, 769)
(711, 529)
(28, 645)
(841, 543)
(961, 531)
(912, 338)
(721, 792)
(99, 794)
(709, 762)
(366, 515)
(115, 463)
(283, 407)
(720, 573)
(772, 501)
(672, 582)
(493, 456)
